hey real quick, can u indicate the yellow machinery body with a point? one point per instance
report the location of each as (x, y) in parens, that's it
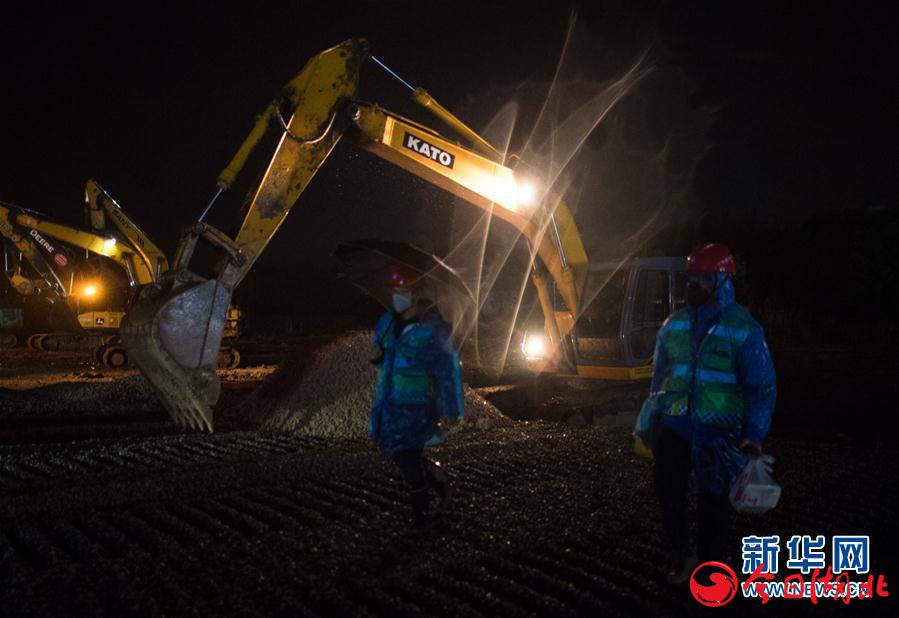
(114, 235)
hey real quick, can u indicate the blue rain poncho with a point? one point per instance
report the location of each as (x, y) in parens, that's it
(717, 459)
(419, 383)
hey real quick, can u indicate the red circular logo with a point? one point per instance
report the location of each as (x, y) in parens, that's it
(722, 586)
(60, 259)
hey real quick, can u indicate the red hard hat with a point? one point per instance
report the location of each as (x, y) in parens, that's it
(711, 258)
(402, 276)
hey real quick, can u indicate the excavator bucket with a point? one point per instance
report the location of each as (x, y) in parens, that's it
(174, 338)
(174, 330)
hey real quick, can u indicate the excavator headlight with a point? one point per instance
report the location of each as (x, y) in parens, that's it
(514, 193)
(535, 346)
(526, 194)
(90, 290)
(109, 245)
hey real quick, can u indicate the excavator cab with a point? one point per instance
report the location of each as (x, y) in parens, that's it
(625, 304)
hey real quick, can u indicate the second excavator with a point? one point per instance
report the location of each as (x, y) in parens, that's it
(86, 276)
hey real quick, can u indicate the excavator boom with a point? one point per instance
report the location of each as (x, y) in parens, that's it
(101, 206)
(482, 182)
(173, 332)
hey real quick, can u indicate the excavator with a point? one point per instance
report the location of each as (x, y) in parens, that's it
(101, 208)
(91, 274)
(173, 330)
(87, 277)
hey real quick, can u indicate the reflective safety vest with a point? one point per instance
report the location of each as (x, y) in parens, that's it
(405, 375)
(707, 386)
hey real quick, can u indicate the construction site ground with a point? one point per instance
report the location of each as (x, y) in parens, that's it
(112, 510)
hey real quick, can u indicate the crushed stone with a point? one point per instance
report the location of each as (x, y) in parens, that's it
(327, 392)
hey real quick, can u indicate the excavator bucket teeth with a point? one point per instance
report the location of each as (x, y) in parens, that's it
(174, 339)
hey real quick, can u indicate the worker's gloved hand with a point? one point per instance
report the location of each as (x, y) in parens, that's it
(752, 450)
(641, 449)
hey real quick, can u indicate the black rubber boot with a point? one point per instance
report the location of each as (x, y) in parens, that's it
(713, 523)
(421, 511)
(680, 568)
(439, 481)
(671, 474)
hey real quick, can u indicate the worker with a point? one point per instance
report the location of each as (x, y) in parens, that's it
(419, 384)
(711, 398)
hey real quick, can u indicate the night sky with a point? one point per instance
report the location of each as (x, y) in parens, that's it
(153, 102)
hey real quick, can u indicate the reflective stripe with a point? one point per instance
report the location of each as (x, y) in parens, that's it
(711, 394)
(721, 377)
(723, 418)
(681, 371)
(401, 362)
(729, 332)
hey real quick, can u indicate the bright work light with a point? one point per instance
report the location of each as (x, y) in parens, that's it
(534, 346)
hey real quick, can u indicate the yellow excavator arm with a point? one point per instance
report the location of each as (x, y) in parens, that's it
(138, 271)
(173, 332)
(484, 183)
(129, 246)
(49, 283)
(100, 207)
(543, 219)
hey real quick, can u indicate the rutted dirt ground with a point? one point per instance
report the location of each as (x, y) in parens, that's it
(107, 509)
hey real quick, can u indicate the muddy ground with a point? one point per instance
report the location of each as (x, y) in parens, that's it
(108, 509)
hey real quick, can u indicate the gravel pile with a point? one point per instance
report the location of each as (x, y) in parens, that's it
(327, 392)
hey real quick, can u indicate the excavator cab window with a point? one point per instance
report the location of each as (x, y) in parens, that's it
(680, 290)
(597, 329)
(557, 299)
(651, 307)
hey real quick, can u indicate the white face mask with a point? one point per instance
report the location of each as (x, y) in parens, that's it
(401, 301)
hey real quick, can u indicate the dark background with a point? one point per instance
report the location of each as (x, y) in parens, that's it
(793, 165)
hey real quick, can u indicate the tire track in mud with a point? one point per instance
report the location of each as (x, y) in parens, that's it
(579, 585)
(472, 595)
(285, 504)
(236, 522)
(431, 599)
(154, 528)
(195, 517)
(184, 523)
(46, 469)
(383, 599)
(625, 582)
(108, 539)
(511, 590)
(329, 506)
(33, 545)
